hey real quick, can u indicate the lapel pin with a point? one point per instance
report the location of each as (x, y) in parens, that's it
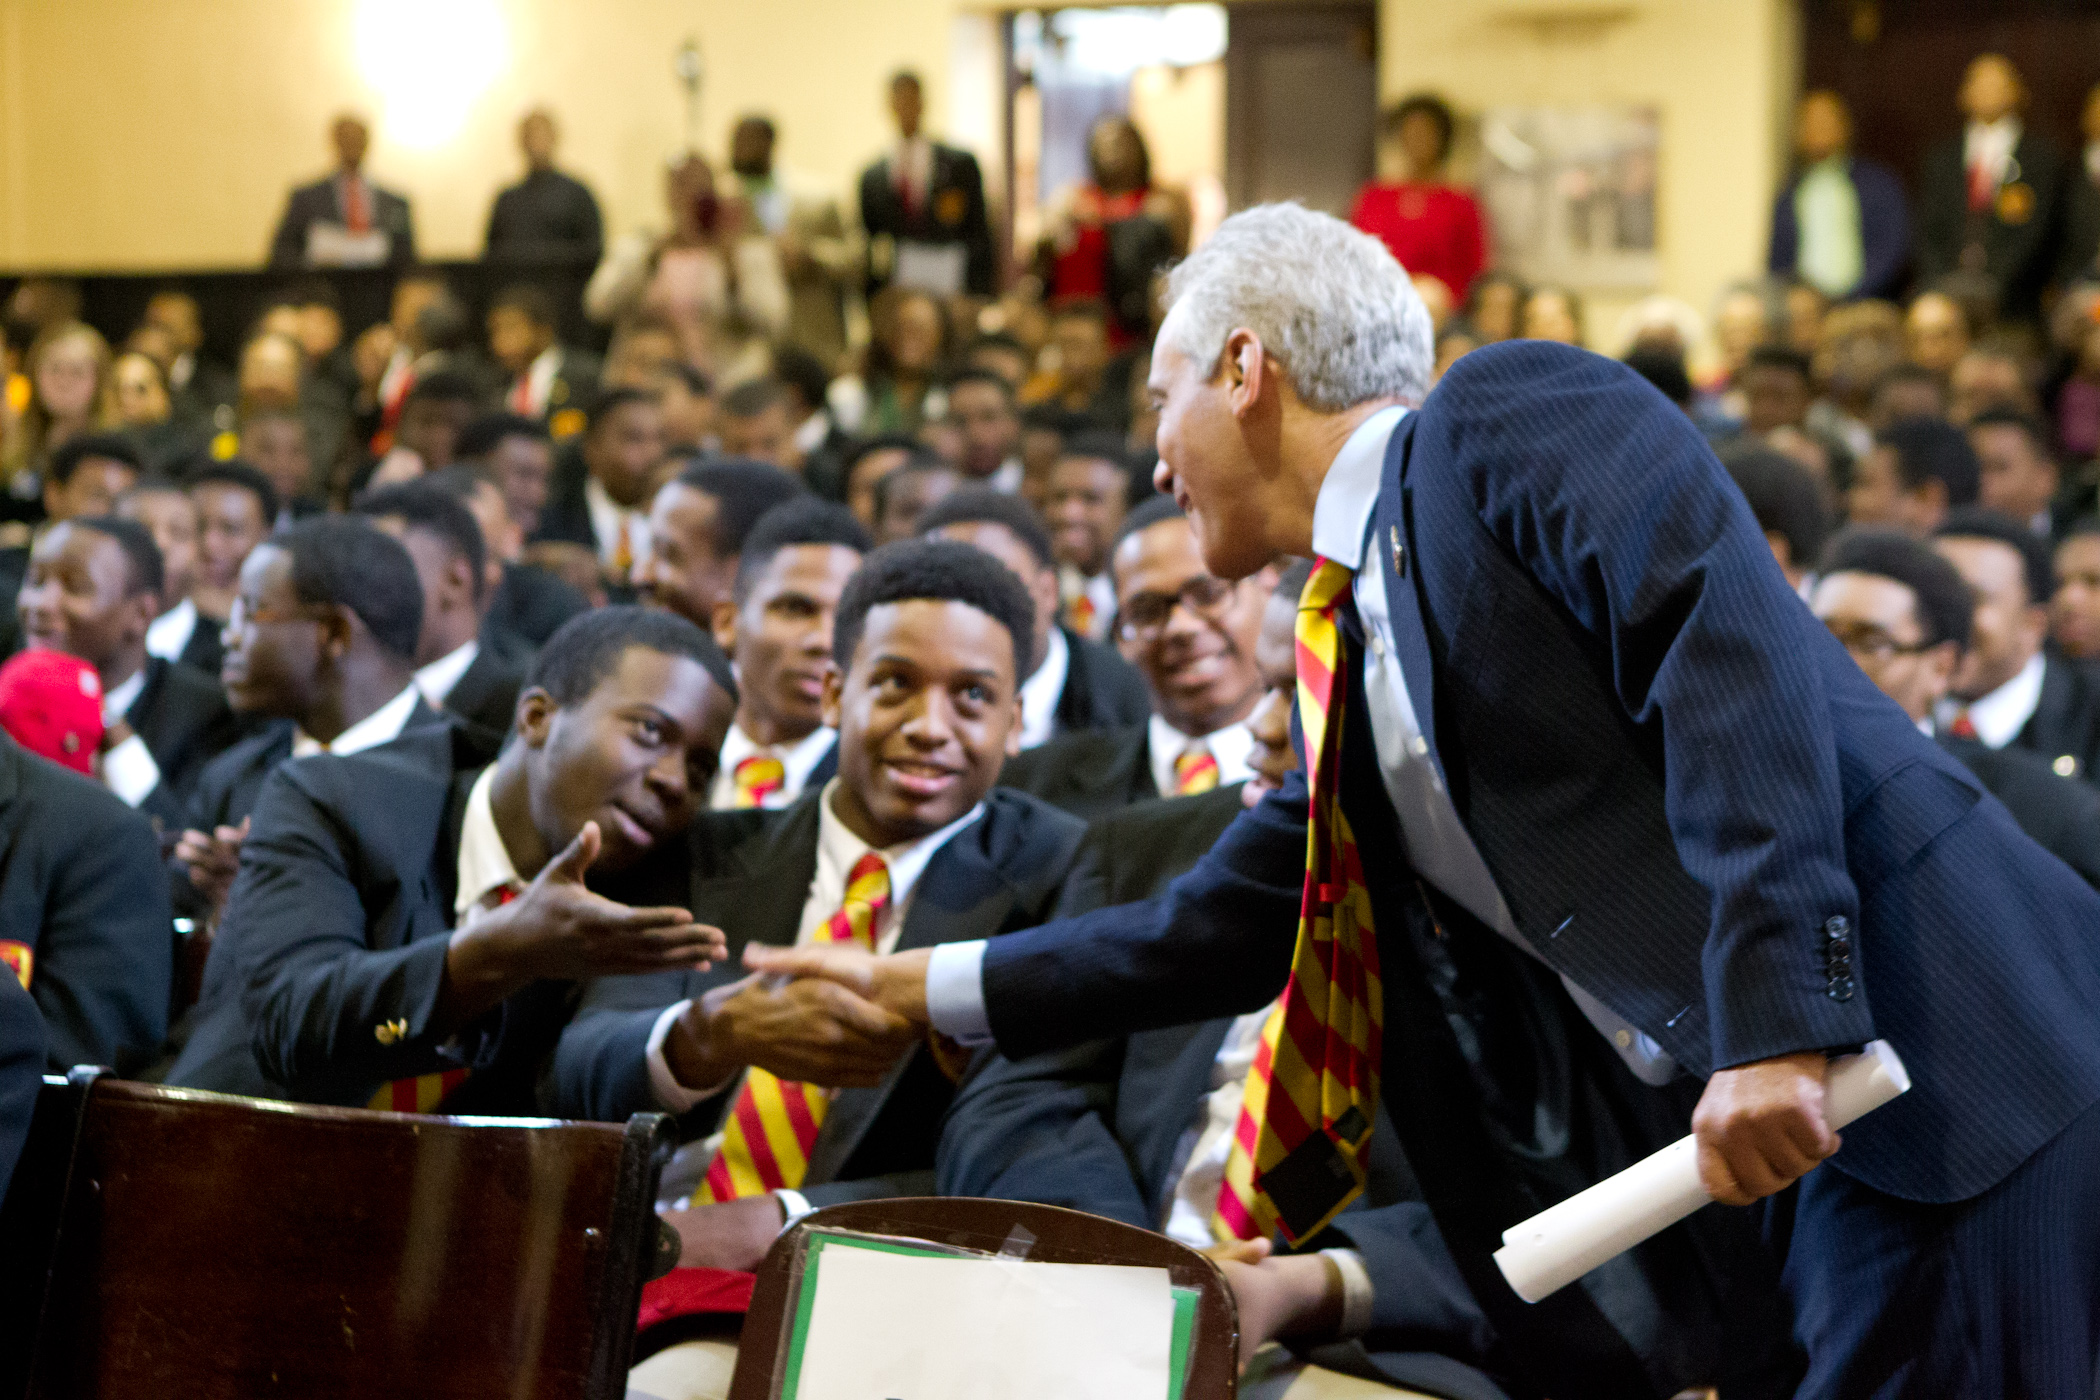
(1399, 551)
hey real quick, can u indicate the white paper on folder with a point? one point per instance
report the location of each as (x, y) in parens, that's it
(904, 1327)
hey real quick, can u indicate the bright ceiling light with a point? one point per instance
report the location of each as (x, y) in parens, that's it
(429, 60)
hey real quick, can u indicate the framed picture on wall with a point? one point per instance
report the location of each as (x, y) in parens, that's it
(1569, 193)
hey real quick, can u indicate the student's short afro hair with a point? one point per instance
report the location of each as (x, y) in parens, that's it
(945, 571)
(587, 648)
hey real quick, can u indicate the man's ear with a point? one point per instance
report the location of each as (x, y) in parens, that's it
(143, 607)
(833, 702)
(1245, 368)
(460, 575)
(1013, 734)
(338, 631)
(724, 626)
(535, 716)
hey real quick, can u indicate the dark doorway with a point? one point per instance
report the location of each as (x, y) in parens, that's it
(1301, 103)
(1898, 64)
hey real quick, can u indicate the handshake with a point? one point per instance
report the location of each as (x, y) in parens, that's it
(835, 1016)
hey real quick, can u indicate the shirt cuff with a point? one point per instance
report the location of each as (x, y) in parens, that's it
(671, 1096)
(128, 770)
(1356, 1292)
(955, 992)
(793, 1203)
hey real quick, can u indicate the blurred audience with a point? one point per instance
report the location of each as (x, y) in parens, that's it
(1433, 227)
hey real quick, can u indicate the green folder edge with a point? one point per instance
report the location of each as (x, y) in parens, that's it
(1185, 1300)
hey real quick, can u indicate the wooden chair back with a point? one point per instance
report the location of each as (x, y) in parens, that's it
(166, 1242)
(1060, 1237)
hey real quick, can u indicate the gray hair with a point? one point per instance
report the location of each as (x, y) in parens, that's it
(1329, 303)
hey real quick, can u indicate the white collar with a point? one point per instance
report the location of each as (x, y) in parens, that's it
(168, 634)
(438, 679)
(539, 377)
(1342, 510)
(1043, 688)
(382, 726)
(2001, 715)
(118, 700)
(484, 861)
(1231, 747)
(839, 850)
(812, 431)
(797, 761)
(606, 517)
(1008, 476)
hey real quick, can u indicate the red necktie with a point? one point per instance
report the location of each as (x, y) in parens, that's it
(1981, 186)
(521, 397)
(1963, 727)
(357, 205)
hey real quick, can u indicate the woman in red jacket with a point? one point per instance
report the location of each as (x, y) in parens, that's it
(1432, 227)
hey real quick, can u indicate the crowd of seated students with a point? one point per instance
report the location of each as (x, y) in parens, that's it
(394, 721)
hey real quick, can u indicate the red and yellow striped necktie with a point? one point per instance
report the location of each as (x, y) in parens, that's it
(1195, 771)
(426, 1093)
(771, 1128)
(1299, 1148)
(1081, 615)
(758, 778)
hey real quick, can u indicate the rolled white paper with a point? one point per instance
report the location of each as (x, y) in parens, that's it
(1562, 1243)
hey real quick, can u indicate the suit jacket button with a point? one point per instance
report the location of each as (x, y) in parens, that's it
(1841, 989)
(1837, 926)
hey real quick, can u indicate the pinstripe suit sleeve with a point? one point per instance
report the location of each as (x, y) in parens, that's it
(1614, 505)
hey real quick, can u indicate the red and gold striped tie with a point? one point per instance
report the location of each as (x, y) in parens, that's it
(1195, 771)
(1299, 1148)
(426, 1093)
(1081, 615)
(758, 778)
(772, 1126)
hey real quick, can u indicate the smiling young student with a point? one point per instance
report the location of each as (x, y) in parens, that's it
(409, 927)
(908, 847)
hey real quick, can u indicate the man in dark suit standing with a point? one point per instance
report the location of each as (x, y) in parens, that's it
(549, 382)
(1905, 615)
(547, 223)
(923, 207)
(2010, 691)
(460, 665)
(911, 846)
(1075, 684)
(408, 926)
(94, 587)
(1840, 224)
(1192, 636)
(1594, 763)
(344, 220)
(1989, 199)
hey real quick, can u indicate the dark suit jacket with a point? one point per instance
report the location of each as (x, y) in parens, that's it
(573, 389)
(547, 220)
(952, 210)
(1695, 806)
(530, 604)
(319, 203)
(81, 884)
(2066, 720)
(205, 652)
(340, 919)
(567, 516)
(183, 717)
(2061, 814)
(1102, 690)
(1884, 229)
(487, 694)
(1090, 773)
(751, 873)
(2019, 254)
(21, 1072)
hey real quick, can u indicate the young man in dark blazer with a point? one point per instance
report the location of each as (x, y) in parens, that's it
(408, 928)
(1990, 200)
(1905, 615)
(924, 203)
(460, 665)
(84, 920)
(94, 587)
(2011, 691)
(599, 494)
(1192, 637)
(928, 640)
(1072, 683)
(1602, 772)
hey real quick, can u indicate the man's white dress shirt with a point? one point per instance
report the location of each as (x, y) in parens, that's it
(438, 679)
(797, 761)
(129, 769)
(168, 634)
(1042, 690)
(2003, 713)
(1232, 747)
(382, 726)
(607, 516)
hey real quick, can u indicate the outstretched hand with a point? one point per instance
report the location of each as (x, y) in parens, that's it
(811, 1031)
(1298, 1295)
(1761, 1127)
(896, 983)
(213, 859)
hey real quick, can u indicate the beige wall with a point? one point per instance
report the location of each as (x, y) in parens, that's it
(164, 133)
(1721, 72)
(138, 134)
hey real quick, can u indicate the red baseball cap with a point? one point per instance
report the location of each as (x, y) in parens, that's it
(51, 704)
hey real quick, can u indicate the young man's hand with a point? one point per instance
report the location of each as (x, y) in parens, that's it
(1761, 1127)
(733, 1235)
(1297, 1295)
(896, 983)
(811, 1031)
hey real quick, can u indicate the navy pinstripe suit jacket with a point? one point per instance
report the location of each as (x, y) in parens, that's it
(1694, 803)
